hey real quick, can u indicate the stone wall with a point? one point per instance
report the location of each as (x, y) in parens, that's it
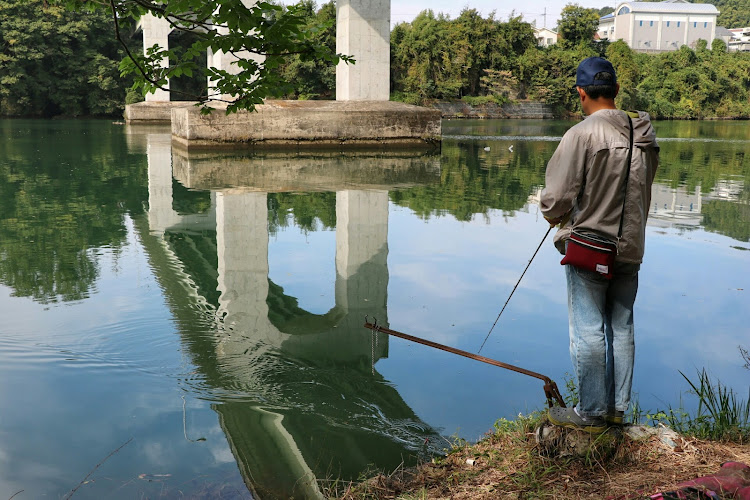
(520, 109)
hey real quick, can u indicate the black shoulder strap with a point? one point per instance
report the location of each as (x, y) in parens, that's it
(627, 176)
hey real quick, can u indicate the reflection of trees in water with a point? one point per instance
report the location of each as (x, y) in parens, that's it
(65, 187)
(727, 218)
(691, 164)
(308, 211)
(474, 181)
(63, 191)
(712, 167)
(189, 201)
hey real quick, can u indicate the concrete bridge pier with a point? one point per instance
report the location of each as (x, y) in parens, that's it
(222, 61)
(156, 31)
(363, 31)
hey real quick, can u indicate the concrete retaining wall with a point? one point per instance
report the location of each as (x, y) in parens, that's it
(522, 109)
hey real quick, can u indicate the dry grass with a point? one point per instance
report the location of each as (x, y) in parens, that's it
(510, 464)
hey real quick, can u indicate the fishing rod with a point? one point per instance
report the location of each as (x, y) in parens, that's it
(514, 288)
(551, 391)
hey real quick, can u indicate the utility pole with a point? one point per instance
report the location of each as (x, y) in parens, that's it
(544, 16)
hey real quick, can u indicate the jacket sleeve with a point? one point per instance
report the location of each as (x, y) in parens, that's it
(564, 176)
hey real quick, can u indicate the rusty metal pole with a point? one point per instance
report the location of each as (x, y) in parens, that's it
(550, 387)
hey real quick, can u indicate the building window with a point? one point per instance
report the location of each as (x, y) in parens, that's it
(652, 23)
(695, 25)
(705, 25)
(624, 10)
(678, 24)
(640, 23)
(667, 24)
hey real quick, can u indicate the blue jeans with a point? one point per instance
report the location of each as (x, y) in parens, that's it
(602, 345)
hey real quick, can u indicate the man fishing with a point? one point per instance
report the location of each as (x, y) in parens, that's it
(598, 190)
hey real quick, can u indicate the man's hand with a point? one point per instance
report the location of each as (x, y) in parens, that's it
(562, 220)
(555, 221)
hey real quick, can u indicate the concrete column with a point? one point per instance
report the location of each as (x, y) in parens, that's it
(242, 247)
(685, 31)
(223, 61)
(631, 31)
(363, 30)
(156, 31)
(658, 32)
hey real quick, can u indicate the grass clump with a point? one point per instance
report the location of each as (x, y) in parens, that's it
(721, 415)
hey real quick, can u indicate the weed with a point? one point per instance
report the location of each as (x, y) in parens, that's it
(721, 415)
(571, 390)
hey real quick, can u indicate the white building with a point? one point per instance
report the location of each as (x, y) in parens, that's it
(545, 37)
(660, 26)
(606, 27)
(740, 41)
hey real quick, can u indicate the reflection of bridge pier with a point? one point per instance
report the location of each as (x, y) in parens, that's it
(246, 294)
(312, 404)
(675, 206)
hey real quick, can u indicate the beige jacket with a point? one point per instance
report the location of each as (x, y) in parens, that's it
(585, 177)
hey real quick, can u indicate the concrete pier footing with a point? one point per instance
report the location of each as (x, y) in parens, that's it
(156, 112)
(300, 125)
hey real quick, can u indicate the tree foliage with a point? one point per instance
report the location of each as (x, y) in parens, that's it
(438, 57)
(54, 61)
(313, 78)
(732, 13)
(577, 25)
(691, 83)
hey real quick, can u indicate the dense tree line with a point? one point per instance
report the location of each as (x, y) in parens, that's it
(732, 13)
(430, 61)
(55, 61)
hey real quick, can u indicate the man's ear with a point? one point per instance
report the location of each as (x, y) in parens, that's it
(581, 92)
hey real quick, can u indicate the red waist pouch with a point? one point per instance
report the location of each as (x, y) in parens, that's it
(591, 252)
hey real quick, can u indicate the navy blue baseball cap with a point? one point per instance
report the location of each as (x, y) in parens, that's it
(592, 66)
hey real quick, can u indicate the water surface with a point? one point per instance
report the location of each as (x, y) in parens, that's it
(207, 309)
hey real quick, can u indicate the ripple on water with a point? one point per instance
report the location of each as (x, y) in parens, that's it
(137, 344)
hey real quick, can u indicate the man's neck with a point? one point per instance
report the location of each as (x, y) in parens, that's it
(595, 105)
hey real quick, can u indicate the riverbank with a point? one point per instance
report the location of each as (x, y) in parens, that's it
(528, 110)
(510, 462)
(492, 110)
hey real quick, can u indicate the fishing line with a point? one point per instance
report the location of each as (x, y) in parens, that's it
(514, 288)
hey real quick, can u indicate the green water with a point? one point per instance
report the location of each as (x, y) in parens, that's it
(207, 309)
